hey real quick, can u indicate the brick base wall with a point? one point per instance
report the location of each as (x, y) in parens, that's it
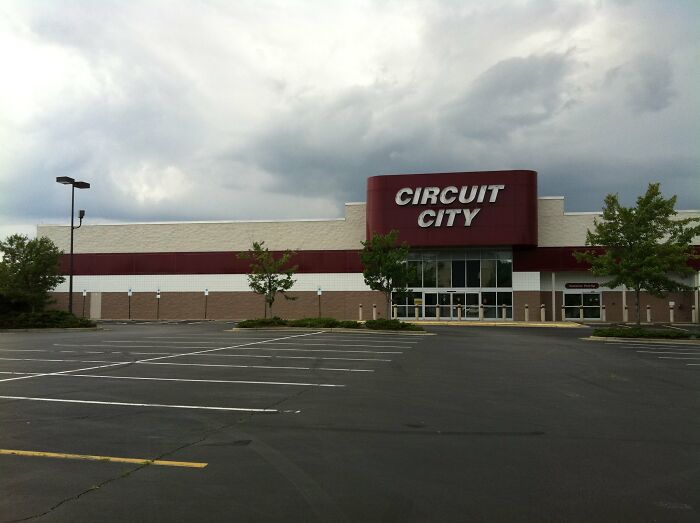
(229, 305)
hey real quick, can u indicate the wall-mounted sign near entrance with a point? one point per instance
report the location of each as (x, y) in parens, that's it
(581, 285)
(446, 209)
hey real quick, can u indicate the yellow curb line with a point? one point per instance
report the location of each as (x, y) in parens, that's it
(60, 455)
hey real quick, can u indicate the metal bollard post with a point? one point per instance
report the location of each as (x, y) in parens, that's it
(693, 314)
(504, 310)
(670, 313)
(542, 313)
(374, 311)
(648, 313)
(481, 312)
(459, 312)
(527, 313)
(416, 310)
(395, 312)
(580, 314)
(602, 313)
(563, 314)
(437, 312)
(360, 312)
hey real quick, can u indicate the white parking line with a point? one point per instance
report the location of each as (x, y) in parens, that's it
(151, 359)
(336, 345)
(245, 382)
(674, 358)
(123, 404)
(185, 365)
(328, 350)
(664, 352)
(200, 339)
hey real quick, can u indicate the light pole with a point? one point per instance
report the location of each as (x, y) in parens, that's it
(67, 180)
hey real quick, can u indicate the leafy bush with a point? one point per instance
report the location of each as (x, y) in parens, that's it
(43, 320)
(393, 325)
(317, 323)
(262, 322)
(639, 332)
(349, 324)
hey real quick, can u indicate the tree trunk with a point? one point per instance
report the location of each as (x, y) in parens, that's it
(265, 306)
(637, 292)
(388, 306)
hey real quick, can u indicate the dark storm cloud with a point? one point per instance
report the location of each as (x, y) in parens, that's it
(255, 110)
(514, 93)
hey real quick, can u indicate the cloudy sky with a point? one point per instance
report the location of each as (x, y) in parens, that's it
(218, 110)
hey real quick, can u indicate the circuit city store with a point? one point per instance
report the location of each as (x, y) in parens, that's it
(483, 244)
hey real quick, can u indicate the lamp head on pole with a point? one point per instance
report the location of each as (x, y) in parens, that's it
(81, 185)
(65, 180)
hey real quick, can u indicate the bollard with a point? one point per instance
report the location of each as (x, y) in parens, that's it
(459, 312)
(395, 312)
(437, 312)
(625, 314)
(416, 310)
(360, 312)
(374, 311)
(670, 313)
(563, 314)
(481, 312)
(602, 313)
(504, 310)
(580, 314)
(527, 313)
(542, 313)
(693, 314)
(648, 313)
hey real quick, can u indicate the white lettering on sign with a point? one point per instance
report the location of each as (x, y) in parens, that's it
(446, 196)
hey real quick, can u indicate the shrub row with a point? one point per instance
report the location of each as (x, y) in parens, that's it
(639, 332)
(327, 323)
(43, 320)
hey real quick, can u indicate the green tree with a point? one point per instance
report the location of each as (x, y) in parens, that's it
(268, 275)
(29, 269)
(385, 267)
(643, 246)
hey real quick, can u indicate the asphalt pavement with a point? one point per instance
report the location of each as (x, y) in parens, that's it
(195, 422)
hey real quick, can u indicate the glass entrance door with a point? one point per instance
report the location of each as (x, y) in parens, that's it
(449, 302)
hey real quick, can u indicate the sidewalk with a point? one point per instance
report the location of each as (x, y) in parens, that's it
(463, 323)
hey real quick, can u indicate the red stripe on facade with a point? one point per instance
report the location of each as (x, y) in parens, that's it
(106, 264)
(536, 259)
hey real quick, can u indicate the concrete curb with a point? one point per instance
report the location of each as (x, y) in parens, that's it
(555, 325)
(332, 329)
(647, 340)
(54, 329)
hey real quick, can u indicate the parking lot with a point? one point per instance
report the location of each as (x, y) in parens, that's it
(464, 424)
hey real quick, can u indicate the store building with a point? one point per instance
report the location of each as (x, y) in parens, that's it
(483, 244)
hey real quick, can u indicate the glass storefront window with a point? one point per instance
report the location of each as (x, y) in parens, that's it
(444, 274)
(458, 268)
(488, 273)
(473, 273)
(429, 273)
(417, 279)
(505, 273)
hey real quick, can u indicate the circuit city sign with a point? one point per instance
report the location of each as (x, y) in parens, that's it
(447, 217)
(455, 209)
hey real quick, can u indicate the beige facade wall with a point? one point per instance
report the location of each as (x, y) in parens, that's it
(557, 228)
(336, 234)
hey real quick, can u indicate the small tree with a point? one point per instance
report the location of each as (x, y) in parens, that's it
(385, 267)
(268, 276)
(29, 269)
(643, 245)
